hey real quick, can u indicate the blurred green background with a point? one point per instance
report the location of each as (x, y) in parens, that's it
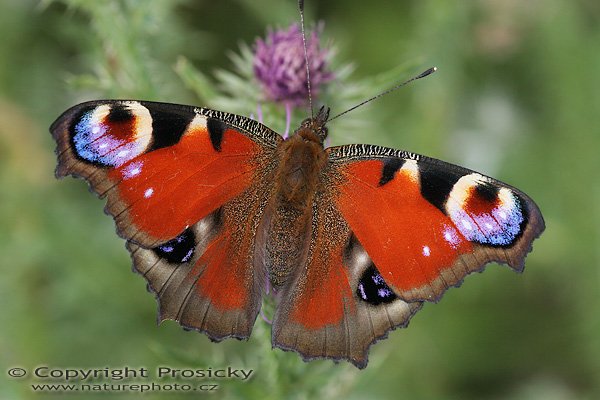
(517, 97)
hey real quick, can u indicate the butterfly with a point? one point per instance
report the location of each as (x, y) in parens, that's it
(217, 209)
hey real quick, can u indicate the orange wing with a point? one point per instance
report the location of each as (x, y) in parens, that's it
(185, 186)
(426, 224)
(391, 229)
(336, 305)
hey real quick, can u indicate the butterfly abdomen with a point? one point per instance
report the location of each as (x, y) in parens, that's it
(289, 214)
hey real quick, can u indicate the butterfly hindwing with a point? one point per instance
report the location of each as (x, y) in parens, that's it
(336, 304)
(206, 278)
(427, 223)
(185, 189)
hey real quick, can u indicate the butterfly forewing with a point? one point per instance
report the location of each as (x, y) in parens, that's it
(427, 223)
(162, 167)
(186, 187)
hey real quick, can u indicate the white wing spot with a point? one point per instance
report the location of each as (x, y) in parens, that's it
(133, 169)
(123, 153)
(362, 258)
(466, 224)
(451, 236)
(426, 251)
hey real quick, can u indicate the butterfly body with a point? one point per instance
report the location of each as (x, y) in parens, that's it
(288, 220)
(216, 207)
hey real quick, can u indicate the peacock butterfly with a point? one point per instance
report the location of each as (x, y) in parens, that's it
(216, 208)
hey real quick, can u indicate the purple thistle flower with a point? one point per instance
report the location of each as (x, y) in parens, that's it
(279, 65)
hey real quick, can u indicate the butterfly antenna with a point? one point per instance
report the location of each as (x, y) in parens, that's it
(414, 78)
(301, 8)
